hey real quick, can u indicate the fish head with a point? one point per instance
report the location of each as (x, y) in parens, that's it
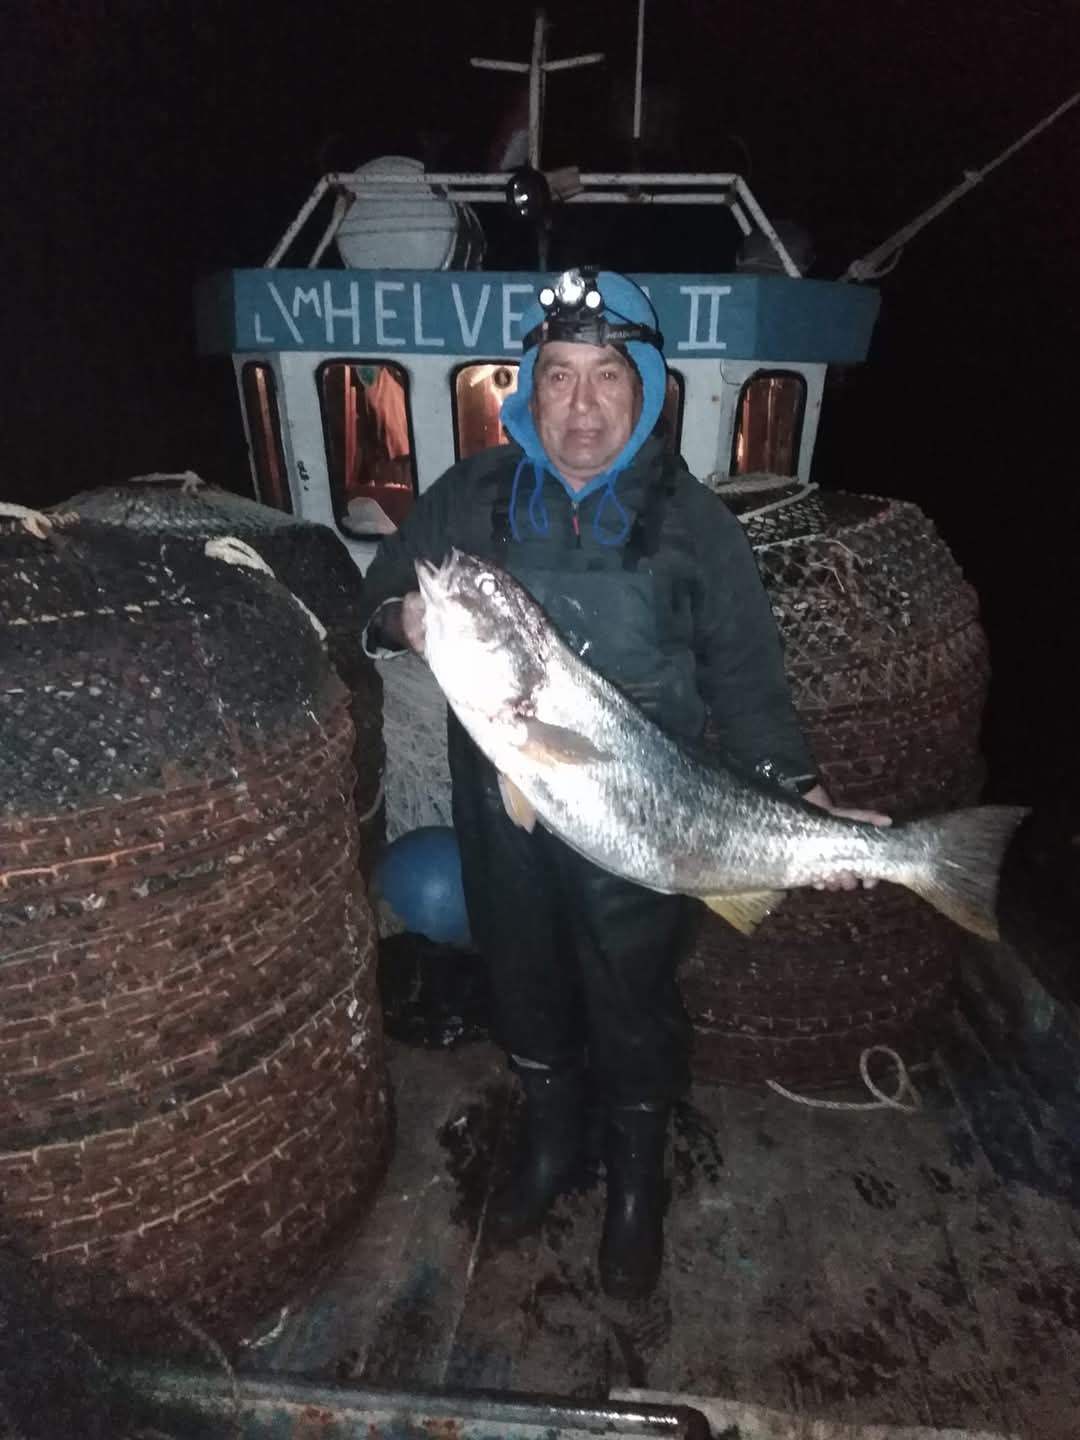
(485, 637)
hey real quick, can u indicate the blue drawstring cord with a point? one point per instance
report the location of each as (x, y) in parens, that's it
(538, 516)
(609, 494)
(513, 499)
(537, 509)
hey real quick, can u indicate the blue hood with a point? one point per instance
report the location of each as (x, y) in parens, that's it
(623, 300)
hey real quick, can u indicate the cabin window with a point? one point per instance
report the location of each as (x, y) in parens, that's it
(259, 389)
(768, 426)
(369, 449)
(479, 391)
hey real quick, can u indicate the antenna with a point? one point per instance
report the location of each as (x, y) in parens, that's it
(887, 256)
(538, 69)
(637, 70)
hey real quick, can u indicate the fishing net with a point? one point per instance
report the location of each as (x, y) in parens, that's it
(888, 668)
(192, 1093)
(873, 610)
(310, 560)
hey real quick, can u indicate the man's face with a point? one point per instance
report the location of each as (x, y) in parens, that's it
(586, 401)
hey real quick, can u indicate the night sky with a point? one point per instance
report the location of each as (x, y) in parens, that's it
(150, 143)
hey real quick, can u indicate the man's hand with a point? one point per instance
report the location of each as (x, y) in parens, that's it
(402, 622)
(844, 880)
(412, 621)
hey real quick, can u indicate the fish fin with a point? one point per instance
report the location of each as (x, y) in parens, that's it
(965, 852)
(556, 745)
(745, 912)
(515, 804)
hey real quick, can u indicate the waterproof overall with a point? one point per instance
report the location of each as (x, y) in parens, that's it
(577, 957)
(675, 615)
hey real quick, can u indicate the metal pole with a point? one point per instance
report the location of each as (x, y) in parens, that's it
(871, 266)
(514, 66)
(274, 258)
(572, 62)
(638, 69)
(341, 204)
(765, 226)
(488, 1413)
(536, 90)
(497, 180)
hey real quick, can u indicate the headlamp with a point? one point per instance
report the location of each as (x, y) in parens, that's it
(573, 310)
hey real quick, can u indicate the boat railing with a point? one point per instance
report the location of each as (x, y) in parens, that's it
(569, 185)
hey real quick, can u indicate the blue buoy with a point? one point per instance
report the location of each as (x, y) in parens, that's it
(419, 877)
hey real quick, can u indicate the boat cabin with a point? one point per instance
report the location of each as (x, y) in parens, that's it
(361, 383)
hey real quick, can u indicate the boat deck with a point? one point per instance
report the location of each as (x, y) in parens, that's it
(863, 1266)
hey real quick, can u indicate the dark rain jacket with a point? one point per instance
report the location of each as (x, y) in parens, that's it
(676, 615)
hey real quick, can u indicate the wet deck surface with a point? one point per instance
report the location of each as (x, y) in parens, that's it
(866, 1266)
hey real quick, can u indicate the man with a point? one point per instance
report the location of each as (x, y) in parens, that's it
(651, 580)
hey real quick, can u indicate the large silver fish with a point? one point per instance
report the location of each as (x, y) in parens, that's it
(571, 749)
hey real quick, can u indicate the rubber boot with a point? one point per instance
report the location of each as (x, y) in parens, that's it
(554, 1123)
(632, 1244)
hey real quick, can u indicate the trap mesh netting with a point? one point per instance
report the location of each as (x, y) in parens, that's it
(888, 668)
(309, 559)
(192, 1094)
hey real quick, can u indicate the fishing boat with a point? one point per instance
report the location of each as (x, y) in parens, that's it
(893, 1258)
(361, 385)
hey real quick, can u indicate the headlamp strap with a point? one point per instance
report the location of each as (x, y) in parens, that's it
(590, 330)
(573, 311)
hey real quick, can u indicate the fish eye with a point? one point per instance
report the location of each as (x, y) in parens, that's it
(486, 583)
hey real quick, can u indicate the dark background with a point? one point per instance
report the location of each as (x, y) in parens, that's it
(149, 143)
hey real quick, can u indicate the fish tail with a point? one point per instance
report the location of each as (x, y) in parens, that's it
(963, 855)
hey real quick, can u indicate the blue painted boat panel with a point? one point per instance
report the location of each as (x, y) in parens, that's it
(371, 312)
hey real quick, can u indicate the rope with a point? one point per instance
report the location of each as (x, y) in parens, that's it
(373, 808)
(270, 1335)
(115, 1369)
(724, 485)
(751, 483)
(234, 552)
(801, 494)
(905, 1097)
(802, 540)
(190, 482)
(880, 261)
(35, 522)
(216, 1352)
